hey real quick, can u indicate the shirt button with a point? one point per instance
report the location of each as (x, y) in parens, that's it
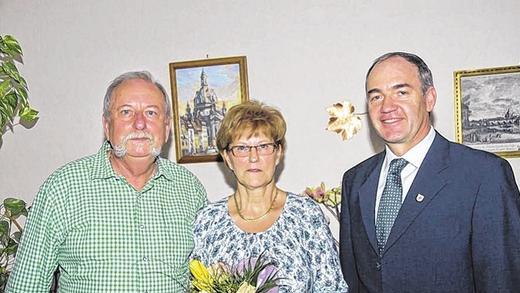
(378, 266)
(145, 259)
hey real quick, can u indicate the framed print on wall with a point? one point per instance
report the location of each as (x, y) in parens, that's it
(202, 92)
(487, 109)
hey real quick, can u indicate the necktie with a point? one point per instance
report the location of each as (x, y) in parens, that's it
(390, 202)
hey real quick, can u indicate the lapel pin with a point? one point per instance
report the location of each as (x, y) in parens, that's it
(419, 197)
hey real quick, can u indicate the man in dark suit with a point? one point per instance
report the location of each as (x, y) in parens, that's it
(425, 215)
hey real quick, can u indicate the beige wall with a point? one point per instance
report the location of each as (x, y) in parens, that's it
(302, 57)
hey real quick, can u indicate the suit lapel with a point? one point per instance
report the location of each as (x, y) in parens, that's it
(367, 198)
(425, 187)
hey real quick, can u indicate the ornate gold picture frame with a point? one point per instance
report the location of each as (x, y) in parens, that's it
(202, 92)
(487, 109)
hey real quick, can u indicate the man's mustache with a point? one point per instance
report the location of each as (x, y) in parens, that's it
(137, 134)
(120, 150)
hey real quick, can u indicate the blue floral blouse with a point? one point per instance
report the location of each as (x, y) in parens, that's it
(299, 244)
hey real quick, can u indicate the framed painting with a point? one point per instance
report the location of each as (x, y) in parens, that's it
(202, 92)
(487, 109)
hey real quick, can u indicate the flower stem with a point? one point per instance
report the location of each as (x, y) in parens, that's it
(334, 212)
(17, 225)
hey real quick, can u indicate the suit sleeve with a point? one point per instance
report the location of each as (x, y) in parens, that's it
(496, 231)
(346, 251)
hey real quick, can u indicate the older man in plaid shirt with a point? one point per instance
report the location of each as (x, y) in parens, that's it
(119, 220)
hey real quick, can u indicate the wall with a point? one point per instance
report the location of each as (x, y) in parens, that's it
(302, 57)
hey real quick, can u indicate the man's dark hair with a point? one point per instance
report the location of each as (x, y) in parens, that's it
(425, 75)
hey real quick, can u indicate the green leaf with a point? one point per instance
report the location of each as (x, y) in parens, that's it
(11, 70)
(9, 103)
(4, 228)
(28, 114)
(5, 52)
(4, 113)
(16, 207)
(12, 44)
(3, 120)
(11, 247)
(8, 114)
(22, 82)
(11, 99)
(5, 87)
(4, 116)
(4, 276)
(17, 236)
(22, 92)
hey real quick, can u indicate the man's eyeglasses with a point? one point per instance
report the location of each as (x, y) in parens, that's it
(263, 149)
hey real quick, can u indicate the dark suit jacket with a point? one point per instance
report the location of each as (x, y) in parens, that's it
(464, 236)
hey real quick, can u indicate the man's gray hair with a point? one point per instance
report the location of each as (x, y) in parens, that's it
(143, 75)
(425, 75)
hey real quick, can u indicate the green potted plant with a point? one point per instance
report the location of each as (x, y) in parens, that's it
(13, 88)
(10, 211)
(14, 109)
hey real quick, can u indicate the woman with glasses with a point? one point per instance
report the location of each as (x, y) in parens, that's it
(260, 218)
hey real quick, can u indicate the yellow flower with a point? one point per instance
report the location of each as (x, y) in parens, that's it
(343, 120)
(220, 273)
(202, 279)
(246, 288)
(218, 268)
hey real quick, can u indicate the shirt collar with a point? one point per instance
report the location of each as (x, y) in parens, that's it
(162, 169)
(101, 168)
(416, 154)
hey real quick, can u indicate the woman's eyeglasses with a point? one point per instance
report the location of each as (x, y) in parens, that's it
(263, 149)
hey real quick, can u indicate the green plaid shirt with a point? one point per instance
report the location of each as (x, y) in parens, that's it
(106, 236)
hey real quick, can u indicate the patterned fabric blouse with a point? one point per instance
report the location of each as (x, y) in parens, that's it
(299, 243)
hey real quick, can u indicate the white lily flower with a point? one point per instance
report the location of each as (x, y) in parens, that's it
(343, 120)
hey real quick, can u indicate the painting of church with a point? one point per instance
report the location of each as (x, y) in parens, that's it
(200, 123)
(202, 93)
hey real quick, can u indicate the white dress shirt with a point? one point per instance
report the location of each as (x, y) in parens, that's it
(414, 156)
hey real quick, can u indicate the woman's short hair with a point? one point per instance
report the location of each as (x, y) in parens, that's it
(251, 118)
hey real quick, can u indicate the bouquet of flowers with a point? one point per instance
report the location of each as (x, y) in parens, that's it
(252, 275)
